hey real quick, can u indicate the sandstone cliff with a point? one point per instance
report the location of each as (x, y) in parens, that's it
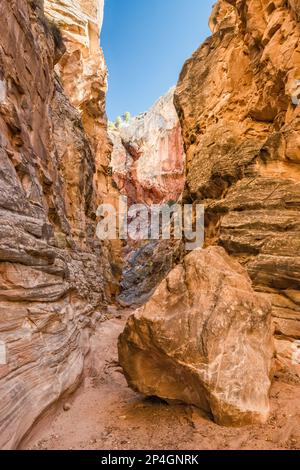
(83, 74)
(53, 273)
(237, 100)
(147, 165)
(147, 160)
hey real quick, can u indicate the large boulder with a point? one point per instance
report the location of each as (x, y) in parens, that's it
(205, 339)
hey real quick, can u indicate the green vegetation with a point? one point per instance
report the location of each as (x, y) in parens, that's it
(111, 126)
(125, 118)
(118, 122)
(171, 203)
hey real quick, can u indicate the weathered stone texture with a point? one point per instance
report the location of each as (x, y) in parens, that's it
(53, 272)
(237, 99)
(204, 338)
(148, 160)
(148, 165)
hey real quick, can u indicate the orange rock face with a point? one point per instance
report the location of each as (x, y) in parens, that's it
(54, 274)
(204, 338)
(238, 103)
(83, 73)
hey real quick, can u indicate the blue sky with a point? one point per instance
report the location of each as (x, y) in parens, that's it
(146, 43)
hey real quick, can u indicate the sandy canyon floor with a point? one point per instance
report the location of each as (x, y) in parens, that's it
(104, 414)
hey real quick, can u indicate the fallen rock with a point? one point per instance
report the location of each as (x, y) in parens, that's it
(204, 338)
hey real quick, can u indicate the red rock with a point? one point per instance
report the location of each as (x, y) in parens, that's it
(237, 102)
(148, 157)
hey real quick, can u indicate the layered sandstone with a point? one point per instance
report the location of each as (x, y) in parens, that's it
(205, 339)
(83, 74)
(54, 274)
(237, 99)
(146, 263)
(147, 160)
(147, 166)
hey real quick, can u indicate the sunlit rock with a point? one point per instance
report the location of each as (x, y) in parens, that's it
(204, 338)
(54, 274)
(238, 103)
(148, 159)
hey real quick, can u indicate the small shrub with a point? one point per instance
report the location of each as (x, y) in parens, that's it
(111, 126)
(118, 122)
(126, 116)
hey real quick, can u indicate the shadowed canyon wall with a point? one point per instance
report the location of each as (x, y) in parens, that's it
(238, 106)
(83, 74)
(55, 276)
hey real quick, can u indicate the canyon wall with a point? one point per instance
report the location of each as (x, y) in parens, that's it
(147, 160)
(83, 73)
(237, 100)
(55, 276)
(147, 165)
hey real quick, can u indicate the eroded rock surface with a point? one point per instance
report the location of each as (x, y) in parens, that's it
(145, 265)
(54, 274)
(147, 166)
(237, 99)
(204, 338)
(82, 70)
(148, 159)
(83, 74)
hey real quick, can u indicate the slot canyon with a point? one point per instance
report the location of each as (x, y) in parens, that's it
(140, 343)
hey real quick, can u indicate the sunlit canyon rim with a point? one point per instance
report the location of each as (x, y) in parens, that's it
(214, 327)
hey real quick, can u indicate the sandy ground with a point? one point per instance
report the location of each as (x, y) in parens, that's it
(105, 414)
